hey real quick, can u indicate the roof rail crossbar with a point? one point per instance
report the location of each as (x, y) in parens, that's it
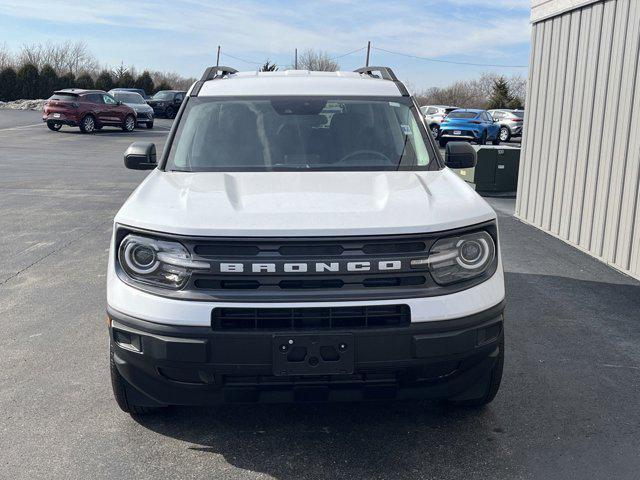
(386, 74)
(211, 73)
(217, 72)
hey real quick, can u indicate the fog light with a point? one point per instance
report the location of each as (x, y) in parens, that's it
(128, 341)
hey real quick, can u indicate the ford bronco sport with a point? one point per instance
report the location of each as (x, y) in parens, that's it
(301, 239)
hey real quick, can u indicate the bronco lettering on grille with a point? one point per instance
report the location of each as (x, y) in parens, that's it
(311, 267)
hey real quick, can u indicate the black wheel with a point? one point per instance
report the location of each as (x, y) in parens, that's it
(442, 142)
(492, 383)
(496, 141)
(505, 134)
(170, 112)
(88, 124)
(483, 139)
(149, 125)
(54, 126)
(120, 390)
(435, 129)
(129, 123)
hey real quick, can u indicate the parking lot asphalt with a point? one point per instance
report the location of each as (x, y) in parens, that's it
(568, 406)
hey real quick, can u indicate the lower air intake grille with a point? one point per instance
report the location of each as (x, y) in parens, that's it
(373, 316)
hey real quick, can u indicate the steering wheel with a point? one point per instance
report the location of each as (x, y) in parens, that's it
(380, 155)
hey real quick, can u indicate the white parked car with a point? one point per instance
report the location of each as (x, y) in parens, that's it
(434, 114)
(301, 239)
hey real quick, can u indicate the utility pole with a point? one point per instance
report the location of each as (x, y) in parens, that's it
(218, 57)
(368, 53)
(295, 64)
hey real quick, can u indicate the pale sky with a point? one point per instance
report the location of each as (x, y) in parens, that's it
(182, 35)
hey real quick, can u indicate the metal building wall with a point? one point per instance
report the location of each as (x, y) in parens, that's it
(580, 166)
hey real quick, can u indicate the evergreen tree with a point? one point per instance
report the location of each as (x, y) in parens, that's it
(68, 80)
(84, 81)
(29, 81)
(145, 82)
(269, 67)
(8, 84)
(48, 81)
(125, 81)
(501, 95)
(104, 81)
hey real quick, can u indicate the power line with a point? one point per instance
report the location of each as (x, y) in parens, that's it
(449, 61)
(241, 59)
(348, 53)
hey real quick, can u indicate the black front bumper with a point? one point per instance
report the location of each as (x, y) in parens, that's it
(199, 366)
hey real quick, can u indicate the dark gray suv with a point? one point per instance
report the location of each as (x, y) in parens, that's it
(166, 102)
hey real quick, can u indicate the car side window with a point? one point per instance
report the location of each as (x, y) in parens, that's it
(109, 100)
(179, 97)
(432, 110)
(94, 98)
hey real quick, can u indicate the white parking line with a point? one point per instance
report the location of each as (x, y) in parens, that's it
(21, 127)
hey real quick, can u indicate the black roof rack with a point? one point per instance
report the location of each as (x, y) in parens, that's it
(386, 74)
(211, 73)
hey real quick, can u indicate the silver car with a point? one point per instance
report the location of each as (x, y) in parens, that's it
(510, 121)
(144, 112)
(434, 114)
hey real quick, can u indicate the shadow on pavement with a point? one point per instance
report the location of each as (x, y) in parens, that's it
(559, 394)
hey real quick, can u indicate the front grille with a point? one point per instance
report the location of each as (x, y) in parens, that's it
(326, 276)
(279, 285)
(371, 316)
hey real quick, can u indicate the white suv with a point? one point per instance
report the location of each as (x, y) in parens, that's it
(301, 239)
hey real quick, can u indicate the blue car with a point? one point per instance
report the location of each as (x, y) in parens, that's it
(469, 125)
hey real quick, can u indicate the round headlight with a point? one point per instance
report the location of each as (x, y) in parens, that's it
(140, 257)
(473, 253)
(460, 258)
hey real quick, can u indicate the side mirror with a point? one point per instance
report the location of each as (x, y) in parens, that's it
(460, 155)
(141, 156)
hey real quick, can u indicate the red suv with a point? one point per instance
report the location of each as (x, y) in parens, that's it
(88, 109)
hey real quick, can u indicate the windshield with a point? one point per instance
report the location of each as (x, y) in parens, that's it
(463, 115)
(163, 96)
(299, 133)
(128, 97)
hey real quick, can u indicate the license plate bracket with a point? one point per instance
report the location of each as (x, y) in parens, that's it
(313, 354)
(457, 132)
(56, 115)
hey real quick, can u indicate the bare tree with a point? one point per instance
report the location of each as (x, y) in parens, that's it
(6, 57)
(475, 93)
(317, 61)
(67, 57)
(177, 81)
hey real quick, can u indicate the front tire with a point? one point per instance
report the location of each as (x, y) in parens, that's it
(492, 384)
(483, 139)
(119, 385)
(88, 124)
(435, 129)
(54, 126)
(170, 112)
(149, 125)
(129, 123)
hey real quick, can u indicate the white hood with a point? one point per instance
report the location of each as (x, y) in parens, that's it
(302, 203)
